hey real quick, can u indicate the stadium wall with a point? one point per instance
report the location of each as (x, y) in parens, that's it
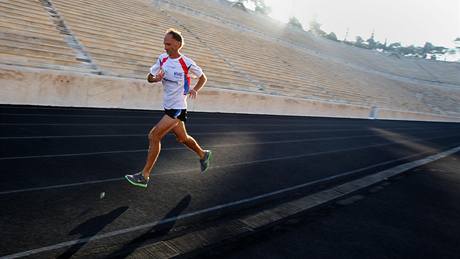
(31, 86)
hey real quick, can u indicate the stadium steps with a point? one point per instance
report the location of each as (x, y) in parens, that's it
(271, 80)
(443, 72)
(25, 61)
(95, 36)
(29, 38)
(70, 39)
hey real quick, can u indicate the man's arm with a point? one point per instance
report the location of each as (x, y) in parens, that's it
(201, 81)
(156, 73)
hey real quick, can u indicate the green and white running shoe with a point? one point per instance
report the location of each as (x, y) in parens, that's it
(137, 179)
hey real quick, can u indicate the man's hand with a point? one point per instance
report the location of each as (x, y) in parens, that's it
(193, 93)
(156, 78)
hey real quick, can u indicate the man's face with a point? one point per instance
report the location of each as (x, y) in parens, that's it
(171, 45)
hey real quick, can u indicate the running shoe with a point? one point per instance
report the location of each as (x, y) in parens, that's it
(205, 162)
(137, 179)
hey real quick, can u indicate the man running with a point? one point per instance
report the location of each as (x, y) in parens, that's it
(172, 69)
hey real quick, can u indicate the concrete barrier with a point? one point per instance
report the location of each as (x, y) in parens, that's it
(387, 114)
(30, 86)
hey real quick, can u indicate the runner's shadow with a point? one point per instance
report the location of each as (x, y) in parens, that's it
(157, 231)
(90, 228)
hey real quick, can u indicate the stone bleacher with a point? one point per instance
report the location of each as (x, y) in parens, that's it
(118, 49)
(237, 50)
(129, 51)
(279, 70)
(28, 37)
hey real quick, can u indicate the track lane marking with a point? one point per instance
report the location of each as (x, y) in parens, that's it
(215, 167)
(209, 133)
(412, 164)
(184, 148)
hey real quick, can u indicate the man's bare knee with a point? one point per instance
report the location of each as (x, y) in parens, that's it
(182, 140)
(154, 136)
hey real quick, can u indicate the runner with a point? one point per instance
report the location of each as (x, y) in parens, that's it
(172, 69)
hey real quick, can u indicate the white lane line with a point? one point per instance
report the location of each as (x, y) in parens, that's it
(77, 124)
(57, 108)
(74, 136)
(152, 116)
(183, 148)
(322, 153)
(82, 154)
(126, 124)
(62, 186)
(207, 133)
(219, 167)
(153, 123)
(81, 115)
(410, 165)
(159, 114)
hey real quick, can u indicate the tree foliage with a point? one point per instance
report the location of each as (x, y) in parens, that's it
(359, 42)
(332, 36)
(371, 44)
(294, 22)
(259, 6)
(457, 43)
(240, 5)
(315, 28)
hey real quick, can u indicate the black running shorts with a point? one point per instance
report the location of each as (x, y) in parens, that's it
(180, 114)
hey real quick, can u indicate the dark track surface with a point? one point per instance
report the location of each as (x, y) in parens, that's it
(414, 215)
(50, 158)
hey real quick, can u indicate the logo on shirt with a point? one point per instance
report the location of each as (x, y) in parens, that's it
(178, 74)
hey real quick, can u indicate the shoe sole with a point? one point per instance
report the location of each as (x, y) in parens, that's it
(209, 162)
(135, 184)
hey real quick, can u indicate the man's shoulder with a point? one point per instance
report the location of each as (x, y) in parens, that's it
(188, 60)
(163, 55)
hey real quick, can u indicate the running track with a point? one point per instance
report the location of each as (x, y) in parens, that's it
(56, 162)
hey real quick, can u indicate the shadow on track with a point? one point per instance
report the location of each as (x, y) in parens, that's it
(156, 231)
(91, 227)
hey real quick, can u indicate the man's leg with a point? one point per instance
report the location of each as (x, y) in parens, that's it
(182, 136)
(156, 134)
